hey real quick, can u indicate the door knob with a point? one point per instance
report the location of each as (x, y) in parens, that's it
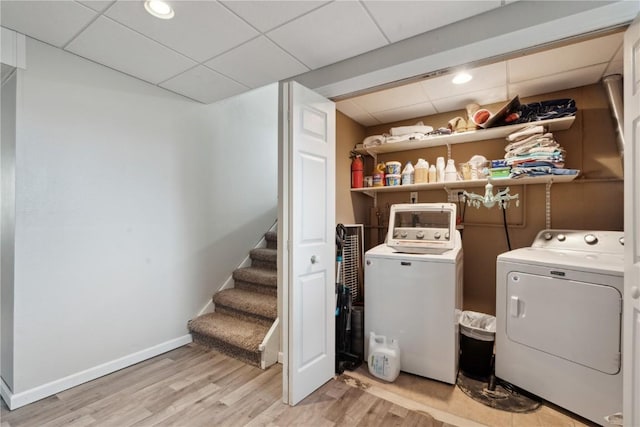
(635, 292)
(314, 259)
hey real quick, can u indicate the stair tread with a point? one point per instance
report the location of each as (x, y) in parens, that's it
(266, 254)
(271, 235)
(233, 330)
(261, 276)
(248, 302)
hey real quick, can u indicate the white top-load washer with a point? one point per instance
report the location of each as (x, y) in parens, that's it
(559, 320)
(416, 298)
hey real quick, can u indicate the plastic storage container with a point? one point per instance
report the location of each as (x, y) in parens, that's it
(392, 179)
(393, 168)
(477, 335)
(384, 357)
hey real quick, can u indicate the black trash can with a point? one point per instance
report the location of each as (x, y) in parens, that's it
(477, 336)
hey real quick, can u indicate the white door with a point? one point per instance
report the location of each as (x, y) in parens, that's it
(309, 190)
(631, 354)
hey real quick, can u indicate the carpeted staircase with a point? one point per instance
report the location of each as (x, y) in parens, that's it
(243, 314)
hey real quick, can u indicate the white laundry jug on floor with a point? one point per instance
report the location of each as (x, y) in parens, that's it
(384, 358)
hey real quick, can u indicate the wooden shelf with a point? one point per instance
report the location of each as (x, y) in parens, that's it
(497, 182)
(462, 137)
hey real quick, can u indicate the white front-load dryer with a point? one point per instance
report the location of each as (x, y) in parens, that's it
(559, 320)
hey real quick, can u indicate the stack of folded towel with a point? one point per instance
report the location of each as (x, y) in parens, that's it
(534, 152)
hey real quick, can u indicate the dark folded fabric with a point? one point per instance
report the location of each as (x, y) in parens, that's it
(545, 110)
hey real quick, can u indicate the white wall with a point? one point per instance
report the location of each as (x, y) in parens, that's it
(133, 205)
(7, 222)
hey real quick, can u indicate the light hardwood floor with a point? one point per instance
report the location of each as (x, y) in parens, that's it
(193, 386)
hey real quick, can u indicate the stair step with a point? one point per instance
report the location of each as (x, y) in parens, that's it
(272, 239)
(247, 304)
(264, 258)
(258, 276)
(231, 335)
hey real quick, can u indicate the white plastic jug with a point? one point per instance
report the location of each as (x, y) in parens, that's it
(408, 174)
(440, 165)
(384, 358)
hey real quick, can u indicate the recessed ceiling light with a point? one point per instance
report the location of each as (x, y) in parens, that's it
(461, 78)
(159, 9)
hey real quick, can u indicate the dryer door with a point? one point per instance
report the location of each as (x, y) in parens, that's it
(576, 321)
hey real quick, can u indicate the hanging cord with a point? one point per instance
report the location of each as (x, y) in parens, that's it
(504, 220)
(462, 209)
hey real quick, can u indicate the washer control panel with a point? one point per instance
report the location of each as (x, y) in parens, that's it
(422, 227)
(581, 240)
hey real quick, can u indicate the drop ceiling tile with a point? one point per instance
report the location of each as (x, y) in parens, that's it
(353, 110)
(199, 30)
(266, 15)
(53, 22)
(403, 19)
(392, 98)
(485, 77)
(595, 51)
(482, 97)
(329, 34)
(109, 43)
(98, 5)
(256, 63)
(567, 80)
(404, 113)
(204, 85)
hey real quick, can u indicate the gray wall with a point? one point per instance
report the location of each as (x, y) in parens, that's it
(132, 206)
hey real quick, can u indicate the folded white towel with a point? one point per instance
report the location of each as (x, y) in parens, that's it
(402, 130)
(373, 140)
(405, 137)
(539, 138)
(530, 130)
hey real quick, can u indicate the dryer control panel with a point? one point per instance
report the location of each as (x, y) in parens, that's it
(611, 242)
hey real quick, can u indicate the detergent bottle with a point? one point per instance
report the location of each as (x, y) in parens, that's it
(408, 174)
(433, 173)
(378, 175)
(357, 175)
(421, 173)
(450, 172)
(384, 357)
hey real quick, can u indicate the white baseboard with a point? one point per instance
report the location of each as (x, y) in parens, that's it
(16, 400)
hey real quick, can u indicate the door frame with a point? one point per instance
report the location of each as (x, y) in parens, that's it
(339, 80)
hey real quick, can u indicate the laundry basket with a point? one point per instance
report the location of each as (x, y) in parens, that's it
(477, 336)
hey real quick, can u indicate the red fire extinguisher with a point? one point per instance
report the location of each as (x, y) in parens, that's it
(357, 171)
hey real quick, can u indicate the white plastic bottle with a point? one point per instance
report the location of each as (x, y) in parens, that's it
(421, 171)
(433, 174)
(440, 169)
(408, 174)
(450, 172)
